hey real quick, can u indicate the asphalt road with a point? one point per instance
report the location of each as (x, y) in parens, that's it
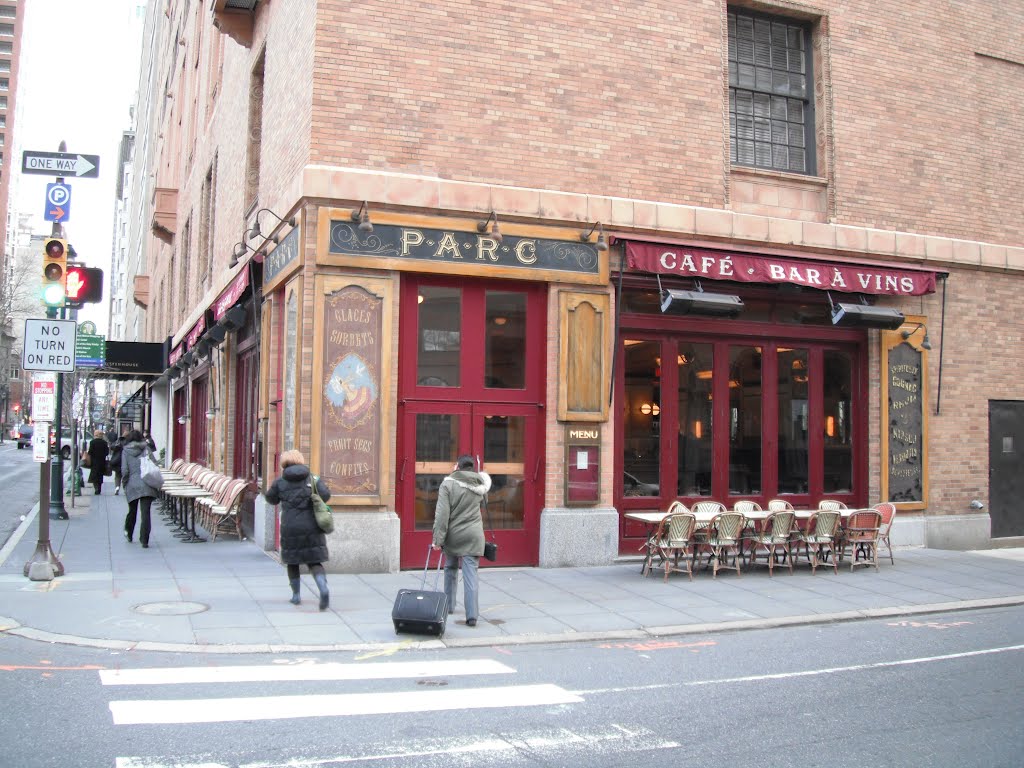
(19, 481)
(940, 691)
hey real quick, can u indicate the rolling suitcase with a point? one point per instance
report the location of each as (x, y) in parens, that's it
(419, 610)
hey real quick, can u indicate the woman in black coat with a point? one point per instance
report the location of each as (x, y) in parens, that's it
(302, 541)
(98, 452)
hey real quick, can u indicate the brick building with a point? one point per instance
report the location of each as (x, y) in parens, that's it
(625, 255)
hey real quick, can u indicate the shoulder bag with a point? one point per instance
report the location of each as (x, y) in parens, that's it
(321, 511)
(150, 472)
(490, 547)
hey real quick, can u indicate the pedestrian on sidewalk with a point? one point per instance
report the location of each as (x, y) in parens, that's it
(137, 492)
(459, 531)
(99, 449)
(302, 541)
(115, 460)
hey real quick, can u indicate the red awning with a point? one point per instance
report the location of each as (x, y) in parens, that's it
(710, 264)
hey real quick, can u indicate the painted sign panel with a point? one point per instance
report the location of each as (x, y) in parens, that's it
(443, 246)
(278, 259)
(351, 406)
(906, 421)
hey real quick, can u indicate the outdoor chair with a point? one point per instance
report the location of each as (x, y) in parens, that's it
(780, 505)
(819, 539)
(888, 512)
(650, 546)
(860, 538)
(725, 536)
(775, 536)
(677, 542)
(831, 504)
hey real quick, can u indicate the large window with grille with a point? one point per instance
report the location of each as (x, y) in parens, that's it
(771, 111)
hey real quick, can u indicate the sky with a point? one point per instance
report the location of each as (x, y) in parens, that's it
(77, 82)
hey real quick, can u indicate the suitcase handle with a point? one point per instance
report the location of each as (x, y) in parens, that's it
(437, 576)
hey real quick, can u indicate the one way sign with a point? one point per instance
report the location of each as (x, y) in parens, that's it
(60, 164)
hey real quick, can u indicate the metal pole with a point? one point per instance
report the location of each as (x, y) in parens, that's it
(44, 553)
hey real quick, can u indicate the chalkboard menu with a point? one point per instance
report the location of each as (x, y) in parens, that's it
(905, 385)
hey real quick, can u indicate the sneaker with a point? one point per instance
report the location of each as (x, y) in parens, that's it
(470, 622)
(117, 491)
(127, 536)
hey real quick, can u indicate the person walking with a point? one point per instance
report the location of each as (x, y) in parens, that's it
(98, 451)
(302, 541)
(459, 532)
(137, 492)
(115, 460)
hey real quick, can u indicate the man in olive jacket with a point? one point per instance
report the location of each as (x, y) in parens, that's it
(459, 531)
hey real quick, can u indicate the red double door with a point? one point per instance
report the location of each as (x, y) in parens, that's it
(471, 382)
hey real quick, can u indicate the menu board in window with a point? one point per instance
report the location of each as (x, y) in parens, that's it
(904, 434)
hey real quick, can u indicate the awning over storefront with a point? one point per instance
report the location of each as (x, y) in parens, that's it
(713, 264)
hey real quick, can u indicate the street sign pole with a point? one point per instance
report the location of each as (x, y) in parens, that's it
(44, 553)
(57, 509)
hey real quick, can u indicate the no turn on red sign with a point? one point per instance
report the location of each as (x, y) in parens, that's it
(49, 345)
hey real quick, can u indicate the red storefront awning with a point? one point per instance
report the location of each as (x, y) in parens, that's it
(711, 264)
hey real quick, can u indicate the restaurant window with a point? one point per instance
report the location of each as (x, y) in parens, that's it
(199, 423)
(695, 364)
(440, 323)
(505, 340)
(641, 418)
(791, 394)
(837, 379)
(771, 112)
(744, 420)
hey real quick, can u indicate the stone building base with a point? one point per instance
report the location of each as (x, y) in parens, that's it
(364, 542)
(959, 531)
(578, 537)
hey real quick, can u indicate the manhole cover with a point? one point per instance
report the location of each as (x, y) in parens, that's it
(179, 608)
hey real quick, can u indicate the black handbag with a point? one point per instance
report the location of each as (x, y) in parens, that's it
(490, 547)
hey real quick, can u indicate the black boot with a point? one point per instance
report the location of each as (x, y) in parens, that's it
(295, 600)
(325, 594)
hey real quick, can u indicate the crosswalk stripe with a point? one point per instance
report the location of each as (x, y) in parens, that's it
(294, 672)
(141, 712)
(562, 746)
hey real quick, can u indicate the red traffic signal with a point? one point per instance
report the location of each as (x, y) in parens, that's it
(84, 285)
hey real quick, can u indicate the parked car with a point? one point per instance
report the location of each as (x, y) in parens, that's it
(66, 441)
(24, 436)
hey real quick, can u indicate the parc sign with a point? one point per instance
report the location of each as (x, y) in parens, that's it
(49, 345)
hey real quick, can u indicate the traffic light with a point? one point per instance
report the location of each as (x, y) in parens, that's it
(84, 285)
(55, 265)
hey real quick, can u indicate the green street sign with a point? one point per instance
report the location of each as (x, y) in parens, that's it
(90, 350)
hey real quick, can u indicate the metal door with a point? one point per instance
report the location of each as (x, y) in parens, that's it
(1006, 467)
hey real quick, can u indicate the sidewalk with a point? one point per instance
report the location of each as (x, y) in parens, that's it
(229, 596)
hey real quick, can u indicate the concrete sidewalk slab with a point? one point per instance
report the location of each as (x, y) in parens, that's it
(229, 596)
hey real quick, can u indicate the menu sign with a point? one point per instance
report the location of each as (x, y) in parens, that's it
(351, 404)
(906, 422)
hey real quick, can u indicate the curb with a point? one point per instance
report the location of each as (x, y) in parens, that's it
(13, 627)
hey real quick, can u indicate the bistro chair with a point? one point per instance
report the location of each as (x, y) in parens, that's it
(831, 504)
(748, 507)
(724, 536)
(775, 536)
(888, 512)
(860, 537)
(677, 543)
(651, 547)
(819, 539)
(780, 505)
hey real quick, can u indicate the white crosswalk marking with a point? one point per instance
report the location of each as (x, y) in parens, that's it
(334, 705)
(240, 708)
(292, 672)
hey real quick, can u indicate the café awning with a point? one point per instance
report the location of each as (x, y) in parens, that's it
(742, 267)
